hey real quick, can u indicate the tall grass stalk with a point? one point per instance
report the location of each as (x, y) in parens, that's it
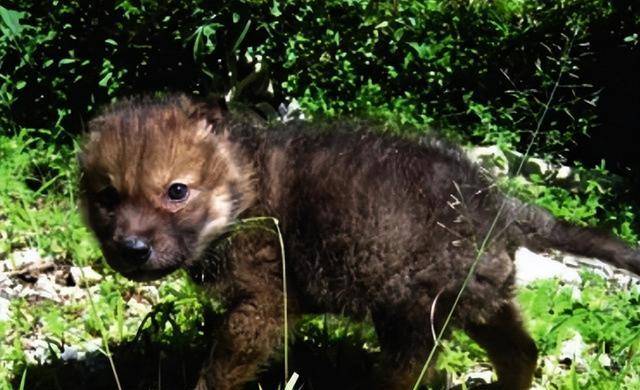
(103, 333)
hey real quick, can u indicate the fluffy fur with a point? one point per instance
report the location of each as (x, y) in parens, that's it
(372, 224)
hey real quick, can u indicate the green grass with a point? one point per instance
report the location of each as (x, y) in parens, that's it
(38, 210)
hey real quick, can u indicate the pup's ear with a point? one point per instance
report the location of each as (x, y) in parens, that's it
(213, 111)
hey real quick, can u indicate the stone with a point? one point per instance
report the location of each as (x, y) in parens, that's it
(46, 287)
(532, 266)
(69, 353)
(36, 351)
(84, 276)
(150, 293)
(5, 309)
(572, 351)
(138, 308)
(24, 258)
(491, 158)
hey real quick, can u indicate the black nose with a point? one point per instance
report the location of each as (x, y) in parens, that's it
(135, 250)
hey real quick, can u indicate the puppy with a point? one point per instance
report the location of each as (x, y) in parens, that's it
(371, 224)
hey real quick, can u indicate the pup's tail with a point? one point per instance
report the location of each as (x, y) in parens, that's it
(536, 229)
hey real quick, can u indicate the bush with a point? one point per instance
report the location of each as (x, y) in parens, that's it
(482, 70)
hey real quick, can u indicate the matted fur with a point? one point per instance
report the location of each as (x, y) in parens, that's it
(371, 224)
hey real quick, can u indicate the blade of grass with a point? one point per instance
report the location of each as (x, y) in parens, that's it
(23, 379)
(292, 381)
(284, 305)
(103, 332)
(241, 37)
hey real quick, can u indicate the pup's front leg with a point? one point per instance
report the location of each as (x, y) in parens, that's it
(251, 331)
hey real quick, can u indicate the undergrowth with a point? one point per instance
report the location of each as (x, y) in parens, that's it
(39, 211)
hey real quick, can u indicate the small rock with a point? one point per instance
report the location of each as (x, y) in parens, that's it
(150, 293)
(5, 312)
(564, 173)
(69, 353)
(290, 112)
(5, 281)
(138, 308)
(479, 376)
(24, 258)
(535, 166)
(605, 360)
(549, 367)
(10, 290)
(36, 351)
(572, 350)
(619, 276)
(85, 276)
(492, 158)
(92, 345)
(532, 266)
(45, 287)
(72, 293)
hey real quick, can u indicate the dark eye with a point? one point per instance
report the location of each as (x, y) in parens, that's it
(178, 191)
(108, 197)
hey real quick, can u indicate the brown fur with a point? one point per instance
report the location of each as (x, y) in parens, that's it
(371, 224)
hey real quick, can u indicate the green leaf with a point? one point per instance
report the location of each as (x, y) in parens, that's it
(275, 10)
(397, 34)
(11, 19)
(241, 37)
(420, 48)
(197, 42)
(381, 25)
(105, 80)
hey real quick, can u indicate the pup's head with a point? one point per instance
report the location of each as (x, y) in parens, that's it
(160, 179)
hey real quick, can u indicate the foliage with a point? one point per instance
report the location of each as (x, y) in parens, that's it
(31, 170)
(594, 204)
(484, 70)
(602, 314)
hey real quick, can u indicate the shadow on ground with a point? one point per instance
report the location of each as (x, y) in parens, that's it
(155, 365)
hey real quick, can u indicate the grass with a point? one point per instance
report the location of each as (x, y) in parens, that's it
(38, 210)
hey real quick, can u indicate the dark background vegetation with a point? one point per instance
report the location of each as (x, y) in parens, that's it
(61, 60)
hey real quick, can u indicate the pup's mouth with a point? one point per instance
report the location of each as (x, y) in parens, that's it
(150, 270)
(145, 275)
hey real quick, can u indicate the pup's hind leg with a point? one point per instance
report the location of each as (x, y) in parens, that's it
(510, 348)
(405, 345)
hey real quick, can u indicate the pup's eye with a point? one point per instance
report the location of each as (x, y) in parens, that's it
(108, 197)
(178, 191)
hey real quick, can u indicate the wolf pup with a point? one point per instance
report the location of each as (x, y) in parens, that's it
(372, 225)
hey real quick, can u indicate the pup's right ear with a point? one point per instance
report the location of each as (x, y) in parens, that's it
(213, 111)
